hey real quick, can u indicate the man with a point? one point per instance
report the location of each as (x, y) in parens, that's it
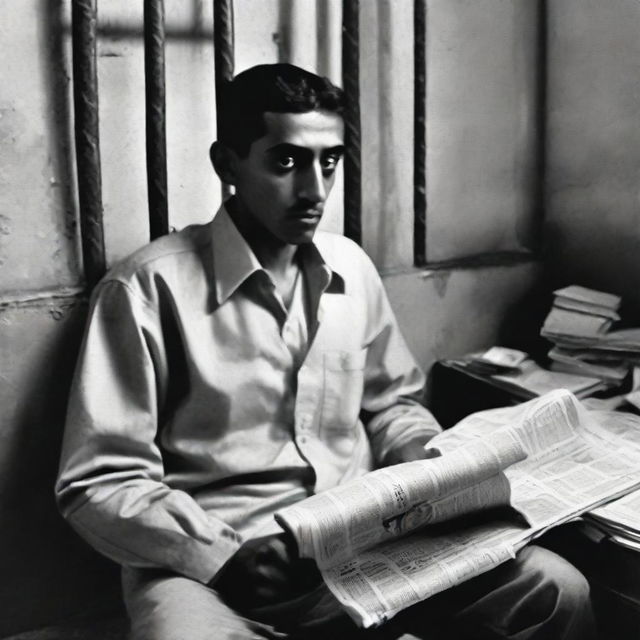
(234, 368)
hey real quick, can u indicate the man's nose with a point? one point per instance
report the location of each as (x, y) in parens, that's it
(311, 184)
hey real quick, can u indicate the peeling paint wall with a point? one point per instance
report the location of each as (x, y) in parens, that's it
(37, 210)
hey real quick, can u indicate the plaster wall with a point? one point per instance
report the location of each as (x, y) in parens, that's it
(482, 166)
(38, 247)
(482, 129)
(593, 147)
(49, 573)
(450, 312)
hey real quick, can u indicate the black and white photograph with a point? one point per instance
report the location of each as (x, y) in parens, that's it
(320, 320)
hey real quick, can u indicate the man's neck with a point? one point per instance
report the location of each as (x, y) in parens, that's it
(276, 257)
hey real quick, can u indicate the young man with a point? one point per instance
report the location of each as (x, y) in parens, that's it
(237, 367)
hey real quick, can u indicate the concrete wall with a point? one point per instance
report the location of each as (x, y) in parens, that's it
(482, 132)
(481, 174)
(593, 143)
(48, 573)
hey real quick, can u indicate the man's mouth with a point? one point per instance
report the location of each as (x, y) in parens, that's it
(307, 214)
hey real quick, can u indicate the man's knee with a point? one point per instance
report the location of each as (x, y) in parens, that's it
(163, 606)
(554, 575)
(555, 599)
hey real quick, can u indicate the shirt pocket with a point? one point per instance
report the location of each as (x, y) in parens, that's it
(343, 382)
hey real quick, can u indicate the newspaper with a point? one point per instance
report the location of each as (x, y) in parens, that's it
(621, 518)
(388, 503)
(398, 535)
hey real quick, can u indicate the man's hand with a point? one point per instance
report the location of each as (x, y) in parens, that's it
(409, 451)
(265, 571)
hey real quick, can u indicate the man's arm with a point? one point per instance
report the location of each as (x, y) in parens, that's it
(110, 485)
(397, 423)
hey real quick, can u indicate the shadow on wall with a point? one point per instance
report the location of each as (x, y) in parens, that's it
(48, 573)
(520, 327)
(599, 256)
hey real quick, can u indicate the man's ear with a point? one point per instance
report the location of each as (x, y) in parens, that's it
(222, 159)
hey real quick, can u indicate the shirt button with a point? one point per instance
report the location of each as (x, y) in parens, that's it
(302, 439)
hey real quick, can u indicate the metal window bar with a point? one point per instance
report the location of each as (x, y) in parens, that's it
(84, 16)
(223, 46)
(87, 138)
(352, 156)
(155, 105)
(420, 132)
(541, 109)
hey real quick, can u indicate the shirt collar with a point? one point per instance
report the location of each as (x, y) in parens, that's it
(234, 262)
(232, 258)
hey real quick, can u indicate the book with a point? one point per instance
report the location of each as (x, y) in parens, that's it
(398, 535)
(621, 344)
(589, 297)
(562, 323)
(566, 360)
(624, 340)
(586, 308)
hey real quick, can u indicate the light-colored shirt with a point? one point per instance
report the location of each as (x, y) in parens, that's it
(200, 406)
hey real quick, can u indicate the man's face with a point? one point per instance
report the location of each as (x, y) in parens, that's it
(283, 182)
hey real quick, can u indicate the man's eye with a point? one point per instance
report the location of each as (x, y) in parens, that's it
(330, 162)
(285, 162)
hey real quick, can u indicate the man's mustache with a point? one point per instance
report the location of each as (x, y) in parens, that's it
(307, 206)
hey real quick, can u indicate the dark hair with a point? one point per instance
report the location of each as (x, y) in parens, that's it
(280, 88)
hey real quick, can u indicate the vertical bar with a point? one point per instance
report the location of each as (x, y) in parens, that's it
(155, 96)
(223, 44)
(420, 133)
(352, 156)
(87, 135)
(541, 123)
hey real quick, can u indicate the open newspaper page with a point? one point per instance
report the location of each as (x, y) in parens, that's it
(335, 525)
(379, 509)
(576, 460)
(379, 583)
(573, 464)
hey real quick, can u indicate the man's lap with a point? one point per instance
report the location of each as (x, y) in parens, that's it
(515, 600)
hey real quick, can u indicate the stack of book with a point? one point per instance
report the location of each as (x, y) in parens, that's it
(580, 316)
(578, 325)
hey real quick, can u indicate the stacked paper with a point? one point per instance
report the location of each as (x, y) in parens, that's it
(580, 316)
(578, 324)
(620, 519)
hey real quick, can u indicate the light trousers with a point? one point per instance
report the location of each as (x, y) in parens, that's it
(537, 596)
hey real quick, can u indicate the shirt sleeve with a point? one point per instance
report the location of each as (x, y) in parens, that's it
(392, 411)
(110, 484)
